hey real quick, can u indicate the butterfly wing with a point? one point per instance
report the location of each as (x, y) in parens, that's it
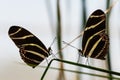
(32, 50)
(95, 40)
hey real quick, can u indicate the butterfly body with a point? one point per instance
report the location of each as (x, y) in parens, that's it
(31, 49)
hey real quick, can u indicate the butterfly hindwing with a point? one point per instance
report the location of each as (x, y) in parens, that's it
(32, 50)
(95, 40)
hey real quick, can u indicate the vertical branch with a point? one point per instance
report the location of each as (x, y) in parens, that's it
(59, 39)
(107, 23)
(84, 12)
(59, 28)
(83, 23)
(50, 14)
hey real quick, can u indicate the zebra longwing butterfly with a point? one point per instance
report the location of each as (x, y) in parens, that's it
(95, 40)
(32, 50)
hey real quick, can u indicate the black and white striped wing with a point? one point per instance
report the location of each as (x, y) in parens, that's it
(95, 40)
(32, 50)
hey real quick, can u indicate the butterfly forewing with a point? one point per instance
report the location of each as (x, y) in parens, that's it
(32, 50)
(95, 39)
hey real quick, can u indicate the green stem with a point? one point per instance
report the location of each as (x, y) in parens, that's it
(80, 65)
(79, 72)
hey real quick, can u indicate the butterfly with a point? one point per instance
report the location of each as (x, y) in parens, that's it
(32, 50)
(95, 40)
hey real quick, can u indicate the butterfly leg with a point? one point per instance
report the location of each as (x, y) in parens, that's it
(87, 61)
(78, 58)
(46, 60)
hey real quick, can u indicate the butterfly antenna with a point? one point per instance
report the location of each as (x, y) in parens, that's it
(79, 50)
(70, 42)
(53, 42)
(69, 45)
(49, 49)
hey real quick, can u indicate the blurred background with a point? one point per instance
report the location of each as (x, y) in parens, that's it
(41, 18)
